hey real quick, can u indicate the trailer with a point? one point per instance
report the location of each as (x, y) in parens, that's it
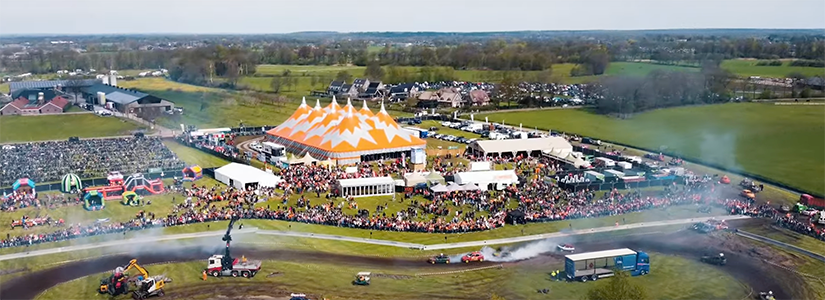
(812, 201)
(605, 162)
(419, 132)
(601, 264)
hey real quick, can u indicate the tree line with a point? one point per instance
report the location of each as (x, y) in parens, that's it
(592, 55)
(624, 95)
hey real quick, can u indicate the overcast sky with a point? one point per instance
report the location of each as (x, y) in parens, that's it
(281, 16)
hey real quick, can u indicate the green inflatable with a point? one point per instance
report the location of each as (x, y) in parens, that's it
(93, 201)
(131, 199)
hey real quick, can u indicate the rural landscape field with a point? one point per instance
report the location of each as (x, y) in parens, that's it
(457, 158)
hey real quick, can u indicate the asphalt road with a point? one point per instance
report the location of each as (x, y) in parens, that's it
(143, 241)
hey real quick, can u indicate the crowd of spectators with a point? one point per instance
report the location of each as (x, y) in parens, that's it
(16, 201)
(88, 158)
(319, 179)
(452, 212)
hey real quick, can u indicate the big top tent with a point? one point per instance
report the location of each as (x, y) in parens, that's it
(343, 134)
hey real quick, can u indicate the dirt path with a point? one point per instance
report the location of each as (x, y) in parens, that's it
(744, 263)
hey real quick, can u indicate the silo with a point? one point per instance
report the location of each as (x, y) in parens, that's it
(101, 98)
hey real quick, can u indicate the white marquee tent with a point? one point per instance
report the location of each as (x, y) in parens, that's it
(484, 178)
(367, 186)
(242, 176)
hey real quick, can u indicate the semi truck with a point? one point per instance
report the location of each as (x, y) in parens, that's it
(226, 265)
(600, 264)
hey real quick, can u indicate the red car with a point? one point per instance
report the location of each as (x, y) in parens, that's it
(474, 256)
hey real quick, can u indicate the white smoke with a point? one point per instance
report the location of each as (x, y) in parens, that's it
(515, 253)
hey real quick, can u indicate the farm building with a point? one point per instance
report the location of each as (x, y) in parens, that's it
(47, 85)
(125, 100)
(34, 102)
(344, 134)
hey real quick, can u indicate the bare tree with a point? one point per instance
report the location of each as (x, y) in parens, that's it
(275, 84)
(75, 85)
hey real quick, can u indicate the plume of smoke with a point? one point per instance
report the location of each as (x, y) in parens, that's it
(719, 149)
(519, 252)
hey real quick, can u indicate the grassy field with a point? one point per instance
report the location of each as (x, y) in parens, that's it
(642, 69)
(748, 67)
(208, 107)
(784, 235)
(4, 88)
(59, 127)
(194, 156)
(784, 143)
(519, 282)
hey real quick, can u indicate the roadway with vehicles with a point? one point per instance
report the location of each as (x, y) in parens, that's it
(479, 243)
(743, 266)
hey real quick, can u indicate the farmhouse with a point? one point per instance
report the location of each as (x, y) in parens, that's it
(443, 97)
(403, 91)
(360, 84)
(374, 90)
(335, 87)
(34, 102)
(478, 98)
(348, 91)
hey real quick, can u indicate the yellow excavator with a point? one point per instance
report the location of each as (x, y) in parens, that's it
(146, 285)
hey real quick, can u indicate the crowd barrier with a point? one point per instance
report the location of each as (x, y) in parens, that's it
(606, 186)
(55, 186)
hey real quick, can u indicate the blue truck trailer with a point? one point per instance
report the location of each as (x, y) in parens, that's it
(601, 264)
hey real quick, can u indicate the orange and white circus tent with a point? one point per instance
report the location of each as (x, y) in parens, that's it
(343, 134)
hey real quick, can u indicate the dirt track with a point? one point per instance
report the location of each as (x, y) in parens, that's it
(744, 262)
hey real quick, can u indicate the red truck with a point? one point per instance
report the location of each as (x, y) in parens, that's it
(812, 201)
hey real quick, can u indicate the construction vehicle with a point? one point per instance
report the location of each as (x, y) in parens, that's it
(150, 286)
(226, 265)
(116, 283)
(362, 278)
(146, 286)
(718, 260)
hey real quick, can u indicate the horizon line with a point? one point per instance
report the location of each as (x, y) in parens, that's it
(401, 32)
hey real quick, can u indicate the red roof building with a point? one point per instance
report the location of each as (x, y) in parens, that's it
(37, 106)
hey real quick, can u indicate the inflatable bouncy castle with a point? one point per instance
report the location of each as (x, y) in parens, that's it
(70, 183)
(192, 173)
(142, 186)
(24, 186)
(131, 199)
(93, 201)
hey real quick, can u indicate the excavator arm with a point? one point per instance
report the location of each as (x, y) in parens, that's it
(133, 264)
